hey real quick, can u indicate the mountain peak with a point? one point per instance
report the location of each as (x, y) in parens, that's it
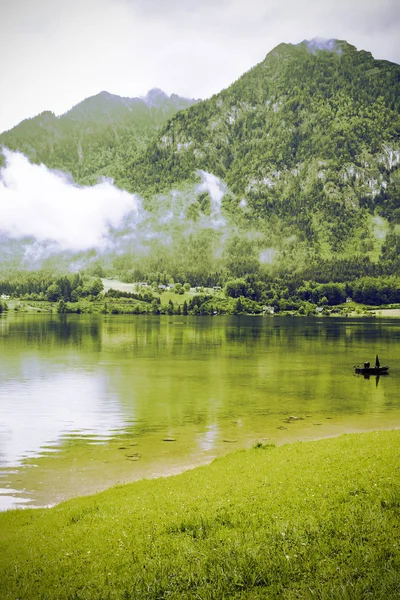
(287, 51)
(104, 94)
(155, 97)
(330, 45)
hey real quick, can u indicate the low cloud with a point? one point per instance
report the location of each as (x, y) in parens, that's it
(45, 215)
(43, 204)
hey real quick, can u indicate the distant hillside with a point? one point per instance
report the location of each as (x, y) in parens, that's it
(98, 136)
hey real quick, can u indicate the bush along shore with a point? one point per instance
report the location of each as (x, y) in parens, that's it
(307, 520)
(77, 295)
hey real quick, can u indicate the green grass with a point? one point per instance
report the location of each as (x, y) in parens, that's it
(176, 298)
(307, 520)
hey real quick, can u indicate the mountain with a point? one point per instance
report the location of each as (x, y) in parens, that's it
(309, 137)
(294, 167)
(98, 136)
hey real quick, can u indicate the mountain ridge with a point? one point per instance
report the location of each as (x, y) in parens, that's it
(95, 133)
(104, 95)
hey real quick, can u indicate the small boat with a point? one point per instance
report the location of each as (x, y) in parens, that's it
(361, 370)
(366, 368)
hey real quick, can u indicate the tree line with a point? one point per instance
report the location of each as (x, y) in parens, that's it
(39, 285)
(248, 294)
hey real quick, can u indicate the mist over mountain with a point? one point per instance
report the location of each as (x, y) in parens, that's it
(294, 165)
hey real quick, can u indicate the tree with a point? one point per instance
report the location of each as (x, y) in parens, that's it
(154, 307)
(236, 288)
(61, 306)
(53, 292)
(96, 287)
(239, 308)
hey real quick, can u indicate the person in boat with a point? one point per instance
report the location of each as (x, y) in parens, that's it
(367, 365)
(377, 363)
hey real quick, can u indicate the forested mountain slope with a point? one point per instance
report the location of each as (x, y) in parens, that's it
(97, 137)
(310, 136)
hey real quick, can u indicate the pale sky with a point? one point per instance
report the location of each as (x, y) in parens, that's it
(55, 53)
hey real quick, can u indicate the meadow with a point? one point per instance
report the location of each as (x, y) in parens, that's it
(306, 520)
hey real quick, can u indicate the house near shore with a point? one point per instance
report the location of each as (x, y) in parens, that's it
(268, 310)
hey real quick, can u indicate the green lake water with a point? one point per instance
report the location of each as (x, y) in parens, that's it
(87, 402)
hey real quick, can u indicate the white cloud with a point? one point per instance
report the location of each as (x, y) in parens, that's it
(36, 202)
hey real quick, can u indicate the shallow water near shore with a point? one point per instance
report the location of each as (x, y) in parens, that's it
(90, 401)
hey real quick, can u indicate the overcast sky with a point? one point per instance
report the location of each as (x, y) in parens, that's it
(55, 53)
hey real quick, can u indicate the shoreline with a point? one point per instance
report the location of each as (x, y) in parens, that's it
(179, 470)
(371, 313)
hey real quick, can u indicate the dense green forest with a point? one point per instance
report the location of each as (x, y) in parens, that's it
(293, 169)
(97, 137)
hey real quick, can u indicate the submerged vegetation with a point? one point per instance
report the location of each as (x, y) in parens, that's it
(316, 519)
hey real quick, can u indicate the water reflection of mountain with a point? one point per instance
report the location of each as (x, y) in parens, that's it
(185, 335)
(51, 331)
(166, 335)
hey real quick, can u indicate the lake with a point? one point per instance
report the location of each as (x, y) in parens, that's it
(88, 401)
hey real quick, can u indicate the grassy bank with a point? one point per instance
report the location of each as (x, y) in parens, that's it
(307, 520)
